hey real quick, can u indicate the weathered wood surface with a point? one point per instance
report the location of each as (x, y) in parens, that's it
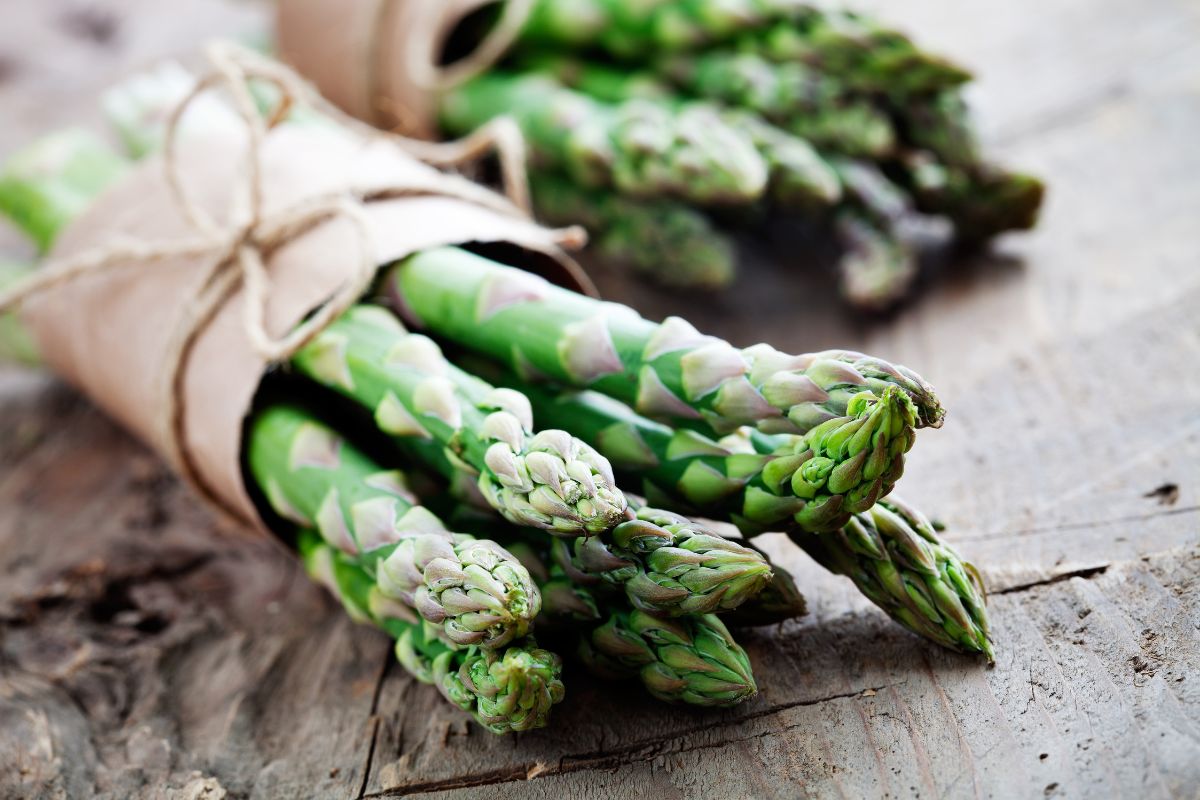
(147, 653)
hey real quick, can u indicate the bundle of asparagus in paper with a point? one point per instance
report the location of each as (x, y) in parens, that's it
(648, 120)
(472, 456)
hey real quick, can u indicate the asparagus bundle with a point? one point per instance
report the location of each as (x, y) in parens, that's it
(802, 85)
(813, 445)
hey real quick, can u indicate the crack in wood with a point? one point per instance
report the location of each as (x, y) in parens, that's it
(632, 753)
(1084, 572)
(373, 718)
(1071, 526)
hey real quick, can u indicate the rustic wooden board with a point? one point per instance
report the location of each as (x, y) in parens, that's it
(147, 652)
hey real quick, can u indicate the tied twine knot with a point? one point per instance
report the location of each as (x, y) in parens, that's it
(235, 253)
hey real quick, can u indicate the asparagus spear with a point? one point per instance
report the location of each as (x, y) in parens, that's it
(691, 659)
(16, 344)
(641, 148)
(690, 570)
(664, 370)
(512, 689)
(629, 28)
(779, 601)
(667, 241)
(474, 590)
(45, 185)
(798, 177)
(863, 55)
(802, 100)
(896, 558)
(875, 270)
(948, 175)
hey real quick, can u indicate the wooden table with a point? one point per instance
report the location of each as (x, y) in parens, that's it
(145, 652)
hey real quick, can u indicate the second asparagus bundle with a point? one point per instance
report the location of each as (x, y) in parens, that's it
(641, 115)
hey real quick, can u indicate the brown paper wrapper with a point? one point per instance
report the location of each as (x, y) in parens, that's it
(357, 54)
(109, 333)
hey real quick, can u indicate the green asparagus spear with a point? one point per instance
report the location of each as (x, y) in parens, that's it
(475, 591)
(641, 148)
(948, 175)
(798, 177)
(690, 570)
(665, 240)
(47, 184)
(779, 601)
(691, 659)
(666, 370)
(662, 562)
(860, 53)
(550, 480)
(630, 28)
(800, 99)
(512, 689)
(982, 201)
(896, 558)
(875, 270)
(16, 343)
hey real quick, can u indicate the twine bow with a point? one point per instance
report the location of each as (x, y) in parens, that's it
(235, 252)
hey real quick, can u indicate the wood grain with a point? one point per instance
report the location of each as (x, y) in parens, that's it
(147, 652)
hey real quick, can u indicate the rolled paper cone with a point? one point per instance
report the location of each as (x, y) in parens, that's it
(360, 54)
(111, 333)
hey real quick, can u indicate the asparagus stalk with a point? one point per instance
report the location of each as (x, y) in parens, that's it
(864, 56)
(473, 590)
(550, 480)
(875, 270)
(628, 29)
(948, 175)
(779, 601)
(691, 659)
(47, 184)
(665, 240)
(643, 149)
(800, 99)
(506, 690)
(664, 370)
(798, 177)
(896, 558)
(689, 570)
(16, 344)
